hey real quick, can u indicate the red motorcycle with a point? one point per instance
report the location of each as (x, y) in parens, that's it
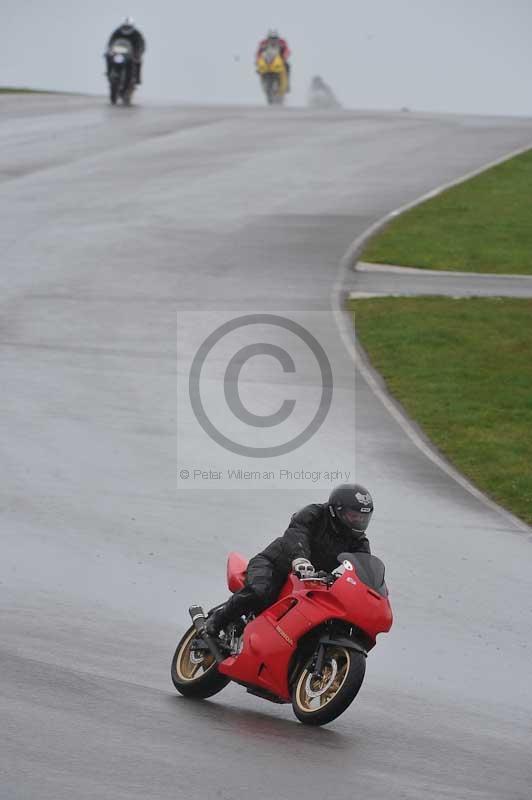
(309, 648)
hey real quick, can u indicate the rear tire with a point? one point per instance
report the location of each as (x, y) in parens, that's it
(113, 92)
(192, 677)
(317, 702)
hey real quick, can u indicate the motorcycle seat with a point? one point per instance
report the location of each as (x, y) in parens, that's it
(236, 571)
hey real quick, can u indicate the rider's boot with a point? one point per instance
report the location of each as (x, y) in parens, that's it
(217, 621)
(237, 605)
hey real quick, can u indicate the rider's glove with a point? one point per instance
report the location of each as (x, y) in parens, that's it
(303, 568)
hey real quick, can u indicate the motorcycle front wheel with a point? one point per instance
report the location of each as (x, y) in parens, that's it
(319, 700)
(195, 673)
(271, 88)
(113, 92)
(128, 94)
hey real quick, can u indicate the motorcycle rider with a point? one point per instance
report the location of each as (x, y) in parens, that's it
(321, 94)
(128, 31)
(275, 40)
(315, 537)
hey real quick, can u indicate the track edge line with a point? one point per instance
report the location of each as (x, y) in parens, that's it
(373, 378)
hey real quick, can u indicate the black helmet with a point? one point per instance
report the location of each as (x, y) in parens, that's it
(351, 507)
(128, 26)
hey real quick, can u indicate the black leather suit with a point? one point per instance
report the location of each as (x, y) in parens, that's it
(311, 534)
(138, 44)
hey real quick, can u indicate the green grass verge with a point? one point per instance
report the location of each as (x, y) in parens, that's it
(22, 90)
(463, 370)
(482, 225)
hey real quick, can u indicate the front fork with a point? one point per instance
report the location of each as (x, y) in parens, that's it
(319, 662)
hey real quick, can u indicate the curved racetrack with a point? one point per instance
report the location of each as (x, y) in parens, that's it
(111, 221)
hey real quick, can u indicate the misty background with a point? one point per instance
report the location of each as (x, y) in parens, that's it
(426, 55)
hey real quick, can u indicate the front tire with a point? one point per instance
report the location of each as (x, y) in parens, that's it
(319, 701)
(128, 94)
(192, 675)
(271, 88)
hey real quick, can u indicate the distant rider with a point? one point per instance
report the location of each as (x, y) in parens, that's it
(321, 94)
(275, 40)
(313, 540)
(128, 31)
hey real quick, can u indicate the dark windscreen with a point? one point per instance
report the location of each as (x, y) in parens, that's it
(369, 569)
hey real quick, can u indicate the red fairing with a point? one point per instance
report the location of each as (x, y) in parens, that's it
(271, 640)
(365, 608)
(236, 571)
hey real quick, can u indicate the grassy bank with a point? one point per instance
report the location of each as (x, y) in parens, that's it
(23, 90)
(463, 370)
(483, 225)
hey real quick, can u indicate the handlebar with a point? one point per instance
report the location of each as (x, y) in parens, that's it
(322, 577)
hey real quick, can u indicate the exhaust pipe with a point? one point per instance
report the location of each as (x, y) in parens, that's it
(197, 616)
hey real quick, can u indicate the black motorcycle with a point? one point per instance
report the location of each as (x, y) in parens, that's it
(121, 71)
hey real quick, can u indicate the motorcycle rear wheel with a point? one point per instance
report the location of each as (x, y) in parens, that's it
(317, 701)
(193, 676)
(113, 92)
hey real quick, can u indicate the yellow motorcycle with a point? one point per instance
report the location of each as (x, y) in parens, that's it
(272, 71)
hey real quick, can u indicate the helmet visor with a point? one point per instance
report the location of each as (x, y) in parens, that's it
(354, 519)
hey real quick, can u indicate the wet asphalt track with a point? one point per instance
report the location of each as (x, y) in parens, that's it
(110, 222)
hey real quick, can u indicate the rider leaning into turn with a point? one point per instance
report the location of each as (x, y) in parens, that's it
(315, 537)
(275, 40)
(128, 31)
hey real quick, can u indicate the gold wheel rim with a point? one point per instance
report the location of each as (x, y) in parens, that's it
(187, 668)
(313, 694)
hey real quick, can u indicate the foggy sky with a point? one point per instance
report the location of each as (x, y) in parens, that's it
(465, 56)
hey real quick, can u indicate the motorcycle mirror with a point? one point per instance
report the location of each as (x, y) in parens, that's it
(345, 557)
